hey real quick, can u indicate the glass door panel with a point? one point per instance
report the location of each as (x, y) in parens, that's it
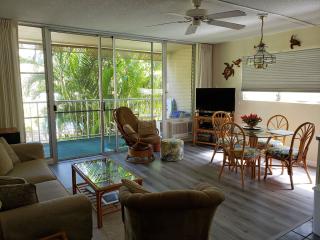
(179, 90)
(33, 85)
(133, 77)
(110, 128)
(157, 84)
(76, 95)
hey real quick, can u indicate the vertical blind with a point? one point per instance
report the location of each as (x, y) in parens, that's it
(295, 71)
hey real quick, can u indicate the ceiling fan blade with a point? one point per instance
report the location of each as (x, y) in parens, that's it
(160, 24)
(229, 14)
(191, 29)
(226, 24)
(177, 14)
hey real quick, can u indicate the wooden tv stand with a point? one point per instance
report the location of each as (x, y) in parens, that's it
(197, 129)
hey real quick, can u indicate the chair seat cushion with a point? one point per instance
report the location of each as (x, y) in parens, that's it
(249, 152)
(152, 139)
(281, 152)
(272, 143)
(34, 171)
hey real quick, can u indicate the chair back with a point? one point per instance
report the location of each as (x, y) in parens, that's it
(302, 138)
(233, 138)
(122, 116)
(218, 119)
(178, 214)
(278, 122)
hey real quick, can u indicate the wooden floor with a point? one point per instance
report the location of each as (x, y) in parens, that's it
(264, 210)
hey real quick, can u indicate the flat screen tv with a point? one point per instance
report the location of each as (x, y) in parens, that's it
(215, 99)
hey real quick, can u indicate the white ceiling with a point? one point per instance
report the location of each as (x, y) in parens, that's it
(132, 16)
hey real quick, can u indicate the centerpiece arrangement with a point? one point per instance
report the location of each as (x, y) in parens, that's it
(251, 120)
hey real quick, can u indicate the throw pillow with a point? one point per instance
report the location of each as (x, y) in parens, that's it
(133, 186)
(5, 180)
(6, 164)
(146, 128)
(17, 195)
(13, 156)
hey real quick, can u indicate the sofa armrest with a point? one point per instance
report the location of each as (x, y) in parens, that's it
(28, 151)
(72, 214)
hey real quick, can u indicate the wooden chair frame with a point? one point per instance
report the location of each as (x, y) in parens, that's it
(233, 135)
(218, 119)
(302, 138)
(278, 122)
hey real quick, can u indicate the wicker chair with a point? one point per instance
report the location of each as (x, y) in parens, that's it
(123, 116)
(218, 119)
(275, 122)
(236, 153)
(295, 154)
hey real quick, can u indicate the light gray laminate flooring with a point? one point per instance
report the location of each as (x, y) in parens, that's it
(263, 210)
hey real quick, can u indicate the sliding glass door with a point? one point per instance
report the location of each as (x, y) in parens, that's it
(71, 88)
(77, 103)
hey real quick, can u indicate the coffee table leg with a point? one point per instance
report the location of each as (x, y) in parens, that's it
(74, 181)
(99, 209)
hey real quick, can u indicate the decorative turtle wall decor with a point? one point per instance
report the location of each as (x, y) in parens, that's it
(237, 62)
(294, 42)
(228, 71)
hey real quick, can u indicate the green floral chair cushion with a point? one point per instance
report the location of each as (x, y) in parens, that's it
(272, 143)
(282, 152)
(249, 152)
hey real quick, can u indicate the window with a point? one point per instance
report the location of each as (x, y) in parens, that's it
(288, 97)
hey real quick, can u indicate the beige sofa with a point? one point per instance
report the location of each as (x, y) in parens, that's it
(56, 211)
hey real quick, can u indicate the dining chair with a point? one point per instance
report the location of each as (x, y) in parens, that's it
(236, 153)
(296, 153)
(218, 119)
(276, 122)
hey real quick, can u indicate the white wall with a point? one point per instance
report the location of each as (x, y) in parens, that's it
(179, 77)
(296, 113)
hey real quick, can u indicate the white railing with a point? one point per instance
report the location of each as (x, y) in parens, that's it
(76, 119)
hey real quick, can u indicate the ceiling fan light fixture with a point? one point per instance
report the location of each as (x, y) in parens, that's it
(262, 58)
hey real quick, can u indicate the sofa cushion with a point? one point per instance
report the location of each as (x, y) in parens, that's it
(147, 128)
(6, 164)
(133, 186)
(50, 190)
(34, 171)
(13, 156)
(17, 195)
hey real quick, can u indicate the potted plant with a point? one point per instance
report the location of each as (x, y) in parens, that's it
(251, 120)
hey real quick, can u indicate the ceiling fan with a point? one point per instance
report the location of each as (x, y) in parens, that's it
(197, 15)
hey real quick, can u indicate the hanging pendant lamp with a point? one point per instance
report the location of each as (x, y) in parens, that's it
(262, 58)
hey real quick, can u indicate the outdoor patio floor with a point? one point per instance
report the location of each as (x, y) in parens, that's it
(83, 147)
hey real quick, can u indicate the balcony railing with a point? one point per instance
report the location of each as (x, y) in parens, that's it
(76, 119)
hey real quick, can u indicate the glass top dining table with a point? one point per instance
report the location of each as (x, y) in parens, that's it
(256, 133)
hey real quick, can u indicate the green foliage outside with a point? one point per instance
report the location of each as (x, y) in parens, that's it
(76, 78)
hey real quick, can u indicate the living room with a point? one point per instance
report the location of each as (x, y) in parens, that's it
(61, 99)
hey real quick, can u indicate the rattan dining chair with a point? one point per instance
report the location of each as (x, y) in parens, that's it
(218, 119)
(276, 122)
(236, 153)
(296, 153)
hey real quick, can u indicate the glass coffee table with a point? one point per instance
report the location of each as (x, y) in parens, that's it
(101, 176)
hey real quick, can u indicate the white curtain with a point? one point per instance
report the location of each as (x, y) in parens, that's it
(11, 109)
(204, 66)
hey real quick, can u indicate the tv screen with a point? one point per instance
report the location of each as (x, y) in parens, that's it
(215, 99)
